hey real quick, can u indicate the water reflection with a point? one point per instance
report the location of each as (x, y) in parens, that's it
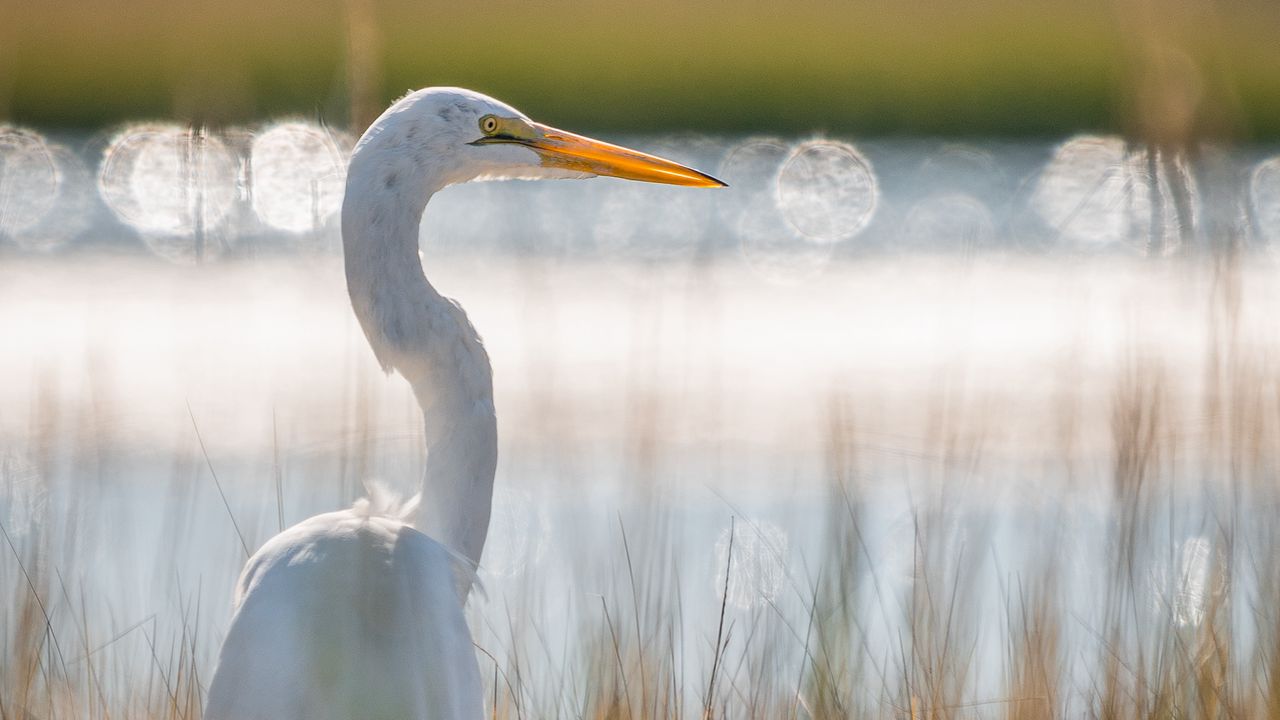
(949, 222)
(756, 569)
(1100, 192)
(199, 194)
(29, 180)
(298, 176)
(1193, 578)
(751, 169)
(770, 245)
(176, 186)
(1264, 196)
(775, 252)
(23, 499)
(964, 168)
(45, 192)
(827, 190)
(654, 224)
(518, 530)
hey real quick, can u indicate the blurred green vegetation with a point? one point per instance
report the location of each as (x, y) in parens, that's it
(948, 67)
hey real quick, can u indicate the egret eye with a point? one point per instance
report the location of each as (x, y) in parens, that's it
(489, 124)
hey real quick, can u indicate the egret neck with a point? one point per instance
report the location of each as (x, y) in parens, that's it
(425, 337)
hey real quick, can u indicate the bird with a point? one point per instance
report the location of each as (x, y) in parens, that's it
(359, 613)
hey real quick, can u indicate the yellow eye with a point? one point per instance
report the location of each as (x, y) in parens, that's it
(489, 124)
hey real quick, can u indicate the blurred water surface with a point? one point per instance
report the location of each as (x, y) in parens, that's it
(939, 338)
(195, 195)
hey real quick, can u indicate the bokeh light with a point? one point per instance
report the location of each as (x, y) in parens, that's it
(72, 208)
(965, 168)
(1086, 193)
(751, 169)
(1098, 192)
(770, 246)
(174, 185)
(948, 222)
(651, 233)
(299, 174)
(827, 190)
(1193, 581)
(1264, 196)
(29, 180)
(1186, 585)
(757, 572)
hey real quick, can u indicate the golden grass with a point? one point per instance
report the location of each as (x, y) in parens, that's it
(632, 652)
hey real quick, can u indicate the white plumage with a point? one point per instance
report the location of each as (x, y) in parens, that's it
(358, 613)
(348, 615)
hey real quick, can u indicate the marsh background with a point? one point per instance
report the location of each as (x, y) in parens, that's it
(961, 401)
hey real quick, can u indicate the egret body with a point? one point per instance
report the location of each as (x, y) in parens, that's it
(358, 613)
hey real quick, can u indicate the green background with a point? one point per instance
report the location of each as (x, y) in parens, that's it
(947, 67)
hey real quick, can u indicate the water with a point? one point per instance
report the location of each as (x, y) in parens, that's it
(190, 195)
(944, 332)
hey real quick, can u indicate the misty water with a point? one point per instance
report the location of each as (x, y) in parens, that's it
(930, 334)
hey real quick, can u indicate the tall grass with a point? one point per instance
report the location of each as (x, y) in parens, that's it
(1003, 598)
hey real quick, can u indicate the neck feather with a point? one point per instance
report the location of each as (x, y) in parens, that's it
(428, 339)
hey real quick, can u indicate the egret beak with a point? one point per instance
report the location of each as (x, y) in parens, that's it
(560, 149)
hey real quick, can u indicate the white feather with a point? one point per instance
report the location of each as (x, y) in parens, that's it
(358, 613)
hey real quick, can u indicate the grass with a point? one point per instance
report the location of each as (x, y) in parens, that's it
(986, 613)
(1091, 536)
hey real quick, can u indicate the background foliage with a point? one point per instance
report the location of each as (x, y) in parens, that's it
(995, 67)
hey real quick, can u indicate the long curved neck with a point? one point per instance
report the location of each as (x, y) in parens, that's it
(427, 339)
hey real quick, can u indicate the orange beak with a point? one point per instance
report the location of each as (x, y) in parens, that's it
(561, 149)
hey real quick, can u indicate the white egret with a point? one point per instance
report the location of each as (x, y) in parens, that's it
(358, 613)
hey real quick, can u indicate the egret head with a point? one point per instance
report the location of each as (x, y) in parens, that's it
(460, 135)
